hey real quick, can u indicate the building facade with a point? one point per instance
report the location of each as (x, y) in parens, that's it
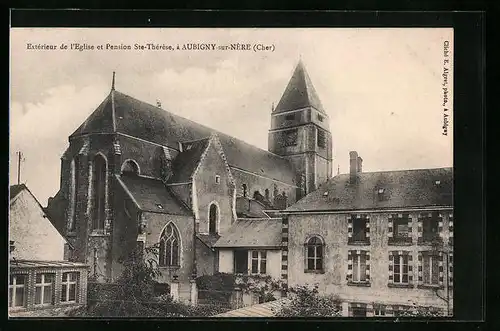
(42, 282)
(135, 176)
(32, 236)
(381, 241)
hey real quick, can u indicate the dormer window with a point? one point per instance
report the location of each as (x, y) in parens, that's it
(217, 179)
(325, 194)
(381, 194)
(438, 182)
(159, 206)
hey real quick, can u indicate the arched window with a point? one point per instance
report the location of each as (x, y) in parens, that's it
(170, 247)
(314, 249)
(99, 194)
(73, 193)
(130, 167)
(244, 186)
(213, 215)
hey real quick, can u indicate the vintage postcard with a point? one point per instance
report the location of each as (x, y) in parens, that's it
(231, 172)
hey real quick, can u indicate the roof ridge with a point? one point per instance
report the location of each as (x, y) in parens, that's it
(210, 129)
(400, 170)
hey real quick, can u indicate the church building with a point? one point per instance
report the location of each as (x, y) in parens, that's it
(135, 176)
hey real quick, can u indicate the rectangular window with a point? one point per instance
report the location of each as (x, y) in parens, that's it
(320, 118)
(44, 289)
(378, 310)
(430, 229)
(358, 310)
(359, 229)
(400, 272)
(241, 261)
(17, 290)
(69, 283)
(400, 230)
(289, 137)
(290, 117)
(430, 269)
(359, 268)
(321, 138)
(259, 262)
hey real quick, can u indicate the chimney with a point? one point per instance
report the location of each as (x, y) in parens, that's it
(353, 164)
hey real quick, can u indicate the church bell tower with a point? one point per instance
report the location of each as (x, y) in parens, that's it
(300, 131)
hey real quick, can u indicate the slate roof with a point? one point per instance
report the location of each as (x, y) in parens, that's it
(252, 233)
(149, 193)
(16, 189)
(249, 207)
(299, 93)
(142, 120)
(267, 309)
(402, 189)
(208, 239)
(185, 163)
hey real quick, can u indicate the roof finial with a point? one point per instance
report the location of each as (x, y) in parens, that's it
(113, 82)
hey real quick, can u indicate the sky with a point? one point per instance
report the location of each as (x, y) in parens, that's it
(382, 89)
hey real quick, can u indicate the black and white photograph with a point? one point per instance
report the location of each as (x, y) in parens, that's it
(231, 172)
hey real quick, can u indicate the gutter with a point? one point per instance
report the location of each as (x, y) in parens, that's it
(365, 211)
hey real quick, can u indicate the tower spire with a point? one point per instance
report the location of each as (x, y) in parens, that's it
(113, 82)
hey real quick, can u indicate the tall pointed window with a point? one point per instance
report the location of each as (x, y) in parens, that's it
(170, 247)
(99, 201)
(213, 216)
(73, 193)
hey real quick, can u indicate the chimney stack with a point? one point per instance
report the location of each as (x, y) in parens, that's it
(355, 164)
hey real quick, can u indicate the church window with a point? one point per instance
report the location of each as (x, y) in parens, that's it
(314, 254)
(213, 219)
(99, 201)
(130, 167)
(289, 137)
(170, 246)
(321, 138)
(73, 193)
